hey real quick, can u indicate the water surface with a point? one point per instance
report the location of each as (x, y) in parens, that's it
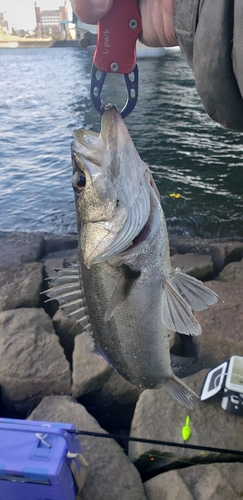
(45, 95)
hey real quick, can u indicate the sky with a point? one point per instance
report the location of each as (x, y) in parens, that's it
(21, 13)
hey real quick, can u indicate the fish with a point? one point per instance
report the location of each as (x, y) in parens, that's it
(123, 289)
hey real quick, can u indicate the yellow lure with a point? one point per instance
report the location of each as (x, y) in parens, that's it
(186, 430)
(175, 195)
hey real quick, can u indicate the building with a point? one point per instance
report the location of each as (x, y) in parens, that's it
(3, 23)
(51, 23)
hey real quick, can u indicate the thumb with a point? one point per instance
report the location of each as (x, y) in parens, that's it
(91, 11)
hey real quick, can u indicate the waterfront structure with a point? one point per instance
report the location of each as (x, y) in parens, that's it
(52, 22)
(3, 23)
(82, 27)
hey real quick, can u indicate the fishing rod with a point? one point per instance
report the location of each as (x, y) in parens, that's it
(159, 442)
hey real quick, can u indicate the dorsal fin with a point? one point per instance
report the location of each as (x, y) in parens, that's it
(68, 291)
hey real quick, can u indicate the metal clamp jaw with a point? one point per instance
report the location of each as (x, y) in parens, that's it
(116, 52)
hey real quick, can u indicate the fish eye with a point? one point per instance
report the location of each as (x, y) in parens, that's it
(79, 182)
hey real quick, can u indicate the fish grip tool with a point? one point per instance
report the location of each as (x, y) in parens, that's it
(115, 52)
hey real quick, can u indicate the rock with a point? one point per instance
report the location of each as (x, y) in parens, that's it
(201, 482)
(55, 243)
(167, 486)
(117, 398)
(56, 260)
(199, 266)
(184, 366)
(158, 416)
(117, 390)
(222, 251)
(19, 248)
(90, 371)
(222, 325)
(21, 286)
(184, 346)
(173, 339)
(32, 362)
(97, 386)
(233, 273)
(111, 475)
(173, 251)
(66, 329)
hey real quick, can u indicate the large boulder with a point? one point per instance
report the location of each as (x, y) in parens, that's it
(160, 417)
(21, 286)
(32, 362)
(111, 475)
(222, 251)
(222, 325)
(219, 481)
(19, 248)
(90, 371)
(233, 273)
(168, 486)
(56, 243)
(199, 266)
(117, 398)
(56, 260)
(66, 329)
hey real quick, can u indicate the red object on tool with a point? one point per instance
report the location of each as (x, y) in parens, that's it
(117, 34)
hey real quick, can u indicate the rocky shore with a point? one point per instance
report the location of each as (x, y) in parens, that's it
(48, 373)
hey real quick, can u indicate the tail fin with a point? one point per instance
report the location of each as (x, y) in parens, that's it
(180, 391)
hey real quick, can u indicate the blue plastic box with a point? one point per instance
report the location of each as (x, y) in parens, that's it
(39, 460)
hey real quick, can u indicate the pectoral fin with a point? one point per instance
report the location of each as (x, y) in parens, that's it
(126, 281)
(180, 391)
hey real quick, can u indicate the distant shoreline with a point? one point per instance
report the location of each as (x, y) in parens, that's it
(35, 44)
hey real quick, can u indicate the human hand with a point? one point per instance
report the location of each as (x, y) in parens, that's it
(157, 18)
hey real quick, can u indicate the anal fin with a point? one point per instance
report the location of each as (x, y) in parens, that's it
(180, 391)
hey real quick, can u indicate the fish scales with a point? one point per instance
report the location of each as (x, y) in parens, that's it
(130, 296)
(128, 335)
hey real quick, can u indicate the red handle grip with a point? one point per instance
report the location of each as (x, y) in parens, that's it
(117, 34)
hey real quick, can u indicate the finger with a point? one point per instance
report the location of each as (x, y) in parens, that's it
(91, 11)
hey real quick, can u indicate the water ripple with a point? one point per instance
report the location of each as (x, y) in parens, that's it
(45, 95)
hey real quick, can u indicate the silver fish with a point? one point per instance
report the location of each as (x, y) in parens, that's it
(123, 288)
